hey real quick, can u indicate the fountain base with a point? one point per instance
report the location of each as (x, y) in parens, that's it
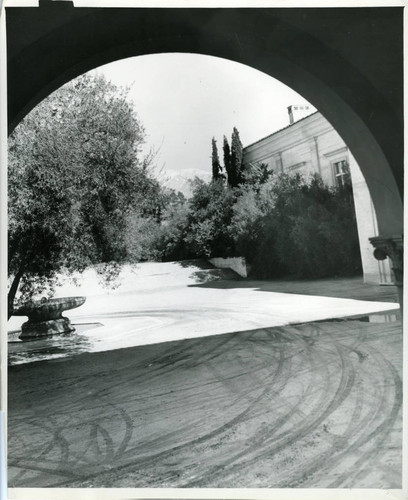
(45, 318)
(38, 329)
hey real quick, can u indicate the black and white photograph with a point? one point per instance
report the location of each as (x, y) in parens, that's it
(202, 248)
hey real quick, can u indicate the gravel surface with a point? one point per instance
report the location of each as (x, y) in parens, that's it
(313, 405)
(234, 397)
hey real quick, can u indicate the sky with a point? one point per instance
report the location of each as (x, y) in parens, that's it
(183, 100)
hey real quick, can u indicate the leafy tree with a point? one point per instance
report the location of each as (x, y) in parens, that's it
(142, 234)
(211, 210)
(256, 175)
(75, 175)
(174, 229)
(246, 223)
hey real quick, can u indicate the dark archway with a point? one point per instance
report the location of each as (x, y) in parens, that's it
(346, 61)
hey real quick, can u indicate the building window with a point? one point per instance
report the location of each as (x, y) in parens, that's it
(341, 173)
(278, 162)
(296, 166)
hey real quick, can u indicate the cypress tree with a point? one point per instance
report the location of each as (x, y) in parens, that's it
(227, 163)
(236, 156)
(216, 166)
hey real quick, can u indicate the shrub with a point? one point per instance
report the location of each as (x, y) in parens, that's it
(309, 231)
(208, 227)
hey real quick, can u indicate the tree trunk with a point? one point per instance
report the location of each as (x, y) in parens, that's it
(12, 293)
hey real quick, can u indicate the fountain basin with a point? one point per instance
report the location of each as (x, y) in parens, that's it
(45, 316)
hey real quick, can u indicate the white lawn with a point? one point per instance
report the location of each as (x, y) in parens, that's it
(156, 303)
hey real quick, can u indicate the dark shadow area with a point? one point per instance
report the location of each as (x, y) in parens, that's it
(208, 273)
(379, 317)
(200, 263)
(48, 348)
(216, 412)
(346, 288)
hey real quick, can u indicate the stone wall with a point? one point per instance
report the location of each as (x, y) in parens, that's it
(237, 264)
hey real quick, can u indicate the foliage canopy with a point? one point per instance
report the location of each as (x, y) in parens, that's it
(283, 225)
(76, 174)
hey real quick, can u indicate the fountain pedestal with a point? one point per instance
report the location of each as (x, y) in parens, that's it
(45, 317)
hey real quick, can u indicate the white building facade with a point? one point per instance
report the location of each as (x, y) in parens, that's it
(311, 145)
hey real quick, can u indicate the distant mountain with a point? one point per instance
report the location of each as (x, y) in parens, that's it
(179, 181)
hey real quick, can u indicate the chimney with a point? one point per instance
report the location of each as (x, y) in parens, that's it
(296, 112)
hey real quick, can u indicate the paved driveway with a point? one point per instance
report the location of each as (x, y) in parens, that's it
(316, 404)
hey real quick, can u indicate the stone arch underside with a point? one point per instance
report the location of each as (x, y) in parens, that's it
(349, 78)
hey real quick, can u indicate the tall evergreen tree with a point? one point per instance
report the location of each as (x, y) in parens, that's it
(236, 156)
(216, 166)
(227, 163)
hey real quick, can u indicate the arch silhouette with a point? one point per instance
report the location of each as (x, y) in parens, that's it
(346, 62)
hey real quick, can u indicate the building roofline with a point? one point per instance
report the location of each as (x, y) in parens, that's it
(281, 129)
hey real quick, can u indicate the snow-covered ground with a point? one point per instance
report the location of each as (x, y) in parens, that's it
(159, 302)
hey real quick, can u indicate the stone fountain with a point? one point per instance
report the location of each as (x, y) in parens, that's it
(45, 316)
